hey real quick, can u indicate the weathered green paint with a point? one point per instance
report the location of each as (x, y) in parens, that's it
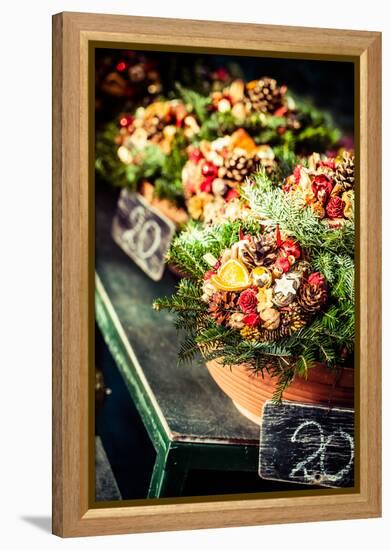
(190, 422)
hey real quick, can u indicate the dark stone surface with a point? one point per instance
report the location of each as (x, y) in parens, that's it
(106, 487)
(194, 408)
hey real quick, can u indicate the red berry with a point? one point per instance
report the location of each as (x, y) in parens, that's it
(195, 156)
(209, 170)
(206, 185)
(232, 194)
(283, 263)
(291, 248)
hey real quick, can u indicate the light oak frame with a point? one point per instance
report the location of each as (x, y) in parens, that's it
(73, 285)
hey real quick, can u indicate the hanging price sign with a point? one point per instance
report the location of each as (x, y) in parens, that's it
(307, 444)
(143, 233)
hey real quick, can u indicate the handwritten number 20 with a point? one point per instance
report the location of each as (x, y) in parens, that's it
(136, 237)
(320, 454)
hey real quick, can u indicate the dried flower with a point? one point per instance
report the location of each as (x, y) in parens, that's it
(321, 187)
(335, 208)
(265, 299)
(236, 320)
(252, 320)
(248, 300)
(271, 318)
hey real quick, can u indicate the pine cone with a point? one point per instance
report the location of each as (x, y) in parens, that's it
(221, 306)
(265, 95)
(260, 251)
(344, 174)
(238, 166)
(311, 297)
(250, 333)
(154, 127)
(294, 318)
(272, 335)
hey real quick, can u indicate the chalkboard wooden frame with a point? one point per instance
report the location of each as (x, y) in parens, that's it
(74, 37)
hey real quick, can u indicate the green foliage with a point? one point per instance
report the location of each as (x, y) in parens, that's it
(330, 335)
(267, 202)
(195, 102)
(316, 133)
(151, 164)
(107, 163)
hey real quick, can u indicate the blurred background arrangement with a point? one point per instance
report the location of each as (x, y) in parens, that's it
(157, 114)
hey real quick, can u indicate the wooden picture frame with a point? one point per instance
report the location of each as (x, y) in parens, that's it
(73, 284)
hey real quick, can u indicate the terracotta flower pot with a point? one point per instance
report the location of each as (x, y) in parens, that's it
(249, 392)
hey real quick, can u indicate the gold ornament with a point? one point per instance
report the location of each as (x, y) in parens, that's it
(262, 277)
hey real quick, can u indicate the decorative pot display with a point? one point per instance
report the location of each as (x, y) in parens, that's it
(276, 286)
(250, 391)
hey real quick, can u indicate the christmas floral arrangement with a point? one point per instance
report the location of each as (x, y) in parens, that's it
(326, 185)
(270, 114)
(274, 291)
(215, 171)
(148, 146)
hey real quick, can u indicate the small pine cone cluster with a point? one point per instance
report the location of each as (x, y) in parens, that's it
(293, 318)
(311, 297)
(237, 166)
(221, 305)
(154, 127)
(276, 334)
(260, 251)
(344, 174)
(250, 333)
(265, 95)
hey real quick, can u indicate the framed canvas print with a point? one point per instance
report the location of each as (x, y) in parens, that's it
(216, 300)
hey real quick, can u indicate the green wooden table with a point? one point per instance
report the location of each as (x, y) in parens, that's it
(190, 421)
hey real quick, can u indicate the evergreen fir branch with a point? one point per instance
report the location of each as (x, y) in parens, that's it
(195, 102)
(188, 350)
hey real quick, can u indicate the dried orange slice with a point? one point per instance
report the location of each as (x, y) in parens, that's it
(242, 140)
(232, 275)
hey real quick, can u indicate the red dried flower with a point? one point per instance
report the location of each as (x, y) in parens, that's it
(248, 301)
(297, 174)
(335, 208)
(252, 320)
(321, 187)
(317, 279)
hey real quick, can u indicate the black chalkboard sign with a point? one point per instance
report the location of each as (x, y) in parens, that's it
(307, 444)
(142, 232)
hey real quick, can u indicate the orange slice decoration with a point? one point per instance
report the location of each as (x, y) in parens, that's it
(232, 276)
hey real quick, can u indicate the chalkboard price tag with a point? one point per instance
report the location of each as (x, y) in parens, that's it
(142, 232)
(307, 444)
